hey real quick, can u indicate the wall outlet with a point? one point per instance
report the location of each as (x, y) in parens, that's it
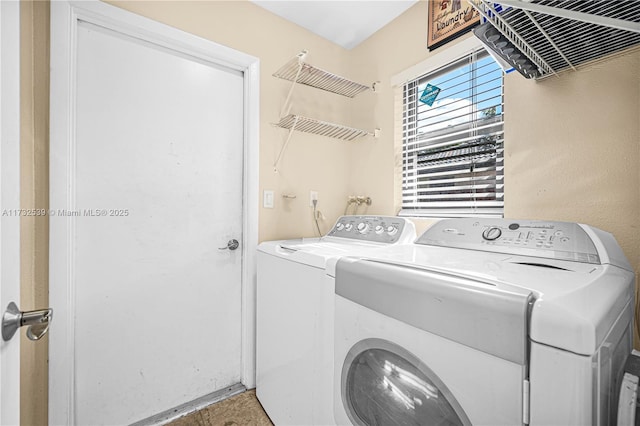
(313, 195)
(267, 199)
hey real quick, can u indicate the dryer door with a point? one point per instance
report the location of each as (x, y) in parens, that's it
(383, 384)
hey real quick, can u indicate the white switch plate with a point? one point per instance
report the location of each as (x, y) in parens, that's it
(267, 199)
(313, 195)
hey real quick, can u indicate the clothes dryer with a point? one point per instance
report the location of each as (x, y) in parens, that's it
(294, 354)
(484, 322)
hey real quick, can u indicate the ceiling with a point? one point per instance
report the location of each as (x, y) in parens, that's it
(346, 23)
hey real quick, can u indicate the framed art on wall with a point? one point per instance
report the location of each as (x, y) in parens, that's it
(449, 19)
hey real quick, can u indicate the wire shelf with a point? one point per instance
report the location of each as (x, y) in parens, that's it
(561, 34)
(320, 79)
(297, 71)
(322, 128)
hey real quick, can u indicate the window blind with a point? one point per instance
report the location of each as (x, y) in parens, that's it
(453, 149)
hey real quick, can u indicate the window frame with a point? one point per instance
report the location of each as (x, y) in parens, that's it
(469, 51)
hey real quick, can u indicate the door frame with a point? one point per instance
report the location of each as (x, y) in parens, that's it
(65, 16)
(10, 200)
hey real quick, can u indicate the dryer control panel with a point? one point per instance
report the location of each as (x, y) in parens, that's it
(552, 240)
(380, 229)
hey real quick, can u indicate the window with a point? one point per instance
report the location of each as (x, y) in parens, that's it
(453, 149)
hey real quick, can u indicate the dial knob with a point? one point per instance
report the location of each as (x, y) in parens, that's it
(391, 230)
(348, 227)
(363, 227)
(340, 226)
(492, 233)
(379, 229)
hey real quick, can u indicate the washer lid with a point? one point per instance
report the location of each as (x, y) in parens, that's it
(575, 306)
(316, 252)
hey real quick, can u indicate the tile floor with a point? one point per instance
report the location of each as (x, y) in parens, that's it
(239, 410)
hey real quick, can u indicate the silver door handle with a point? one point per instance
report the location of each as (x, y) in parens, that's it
(38, 322)
(231, 245)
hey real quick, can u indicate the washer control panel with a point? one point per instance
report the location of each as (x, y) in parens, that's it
(552, 240)
(380, 229)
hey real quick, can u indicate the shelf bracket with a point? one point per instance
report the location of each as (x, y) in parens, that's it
(284, 146)
(286, 108)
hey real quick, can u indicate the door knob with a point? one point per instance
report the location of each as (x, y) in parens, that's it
(38, 322)
(231, 245)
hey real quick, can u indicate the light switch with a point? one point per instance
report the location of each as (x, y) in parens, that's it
(267, 199)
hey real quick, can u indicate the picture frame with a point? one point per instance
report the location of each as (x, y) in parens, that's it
(449, 19)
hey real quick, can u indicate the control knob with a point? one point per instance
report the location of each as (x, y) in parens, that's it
(392, 230)
(379, 229)
(348, 227)
(492, 233)
(363, 227)
(340, 226)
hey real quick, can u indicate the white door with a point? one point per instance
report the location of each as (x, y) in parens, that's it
(9, 203)
(155, 193)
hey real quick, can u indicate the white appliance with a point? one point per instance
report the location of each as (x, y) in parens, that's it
(484, 322)
(294, 354)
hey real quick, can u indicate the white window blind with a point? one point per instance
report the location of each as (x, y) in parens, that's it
(453, 150)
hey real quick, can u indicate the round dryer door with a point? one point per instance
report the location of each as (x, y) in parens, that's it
(384, 384)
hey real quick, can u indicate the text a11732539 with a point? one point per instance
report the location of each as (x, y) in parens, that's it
(100, 212)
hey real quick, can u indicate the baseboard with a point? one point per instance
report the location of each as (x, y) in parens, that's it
(190, 407)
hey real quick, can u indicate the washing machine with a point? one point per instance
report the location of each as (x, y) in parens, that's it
(485, 322)
(294, 347)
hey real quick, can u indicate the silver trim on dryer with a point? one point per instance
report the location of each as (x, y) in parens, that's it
(489, 316)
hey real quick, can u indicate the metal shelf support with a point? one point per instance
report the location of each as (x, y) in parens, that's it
(299, 72)
(588, 18)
